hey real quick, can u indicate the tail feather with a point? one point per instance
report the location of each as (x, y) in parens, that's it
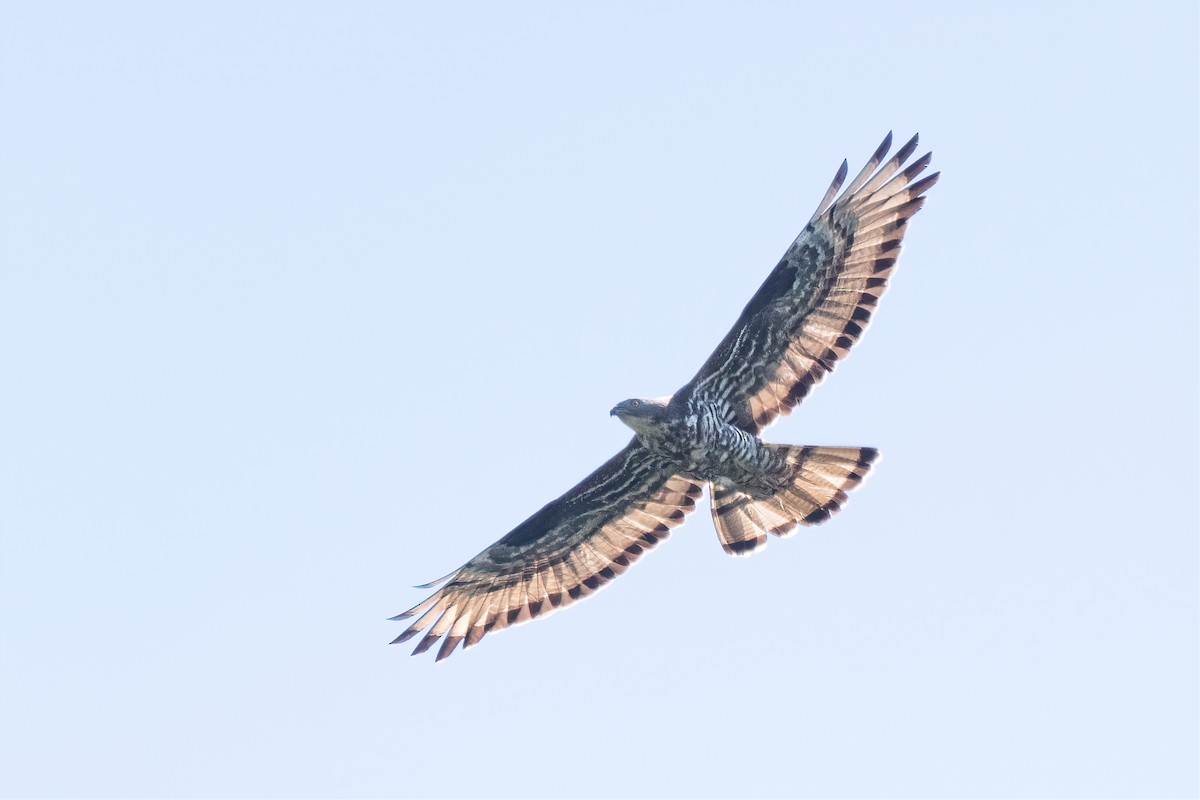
(817, 491)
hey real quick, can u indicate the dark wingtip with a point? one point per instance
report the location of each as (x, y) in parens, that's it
(429, 641)
(436, 581)
(883, 148)
(404, 637)
(399, 617)
(924, 184)
(917, 167)
(448, 647)
(907, 150)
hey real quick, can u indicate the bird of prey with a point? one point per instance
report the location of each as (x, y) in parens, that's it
(805, 318)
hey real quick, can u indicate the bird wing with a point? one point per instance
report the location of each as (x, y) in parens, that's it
(816, 302)
(566, 551)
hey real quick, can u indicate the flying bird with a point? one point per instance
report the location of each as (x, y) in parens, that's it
(805, 317)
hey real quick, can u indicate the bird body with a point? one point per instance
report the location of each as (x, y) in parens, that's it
(812, 308)
(698, 438)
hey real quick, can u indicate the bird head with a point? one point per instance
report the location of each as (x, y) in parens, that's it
(641, 414)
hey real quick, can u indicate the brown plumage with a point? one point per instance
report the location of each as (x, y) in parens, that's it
(806, 316)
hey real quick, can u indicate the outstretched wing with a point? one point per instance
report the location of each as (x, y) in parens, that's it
(563, 553)
(816, 302)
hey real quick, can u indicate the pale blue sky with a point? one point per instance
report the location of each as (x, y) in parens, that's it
(302, 304)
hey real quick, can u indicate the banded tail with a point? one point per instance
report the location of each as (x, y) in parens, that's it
(817, 491)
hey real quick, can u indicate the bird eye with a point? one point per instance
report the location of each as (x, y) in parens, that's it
(634, 403)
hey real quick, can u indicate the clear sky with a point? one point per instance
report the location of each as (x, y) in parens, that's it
(303, 304)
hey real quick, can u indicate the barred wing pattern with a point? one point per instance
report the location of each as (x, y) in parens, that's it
(563, 553)
(816, 302)
(812, 308)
